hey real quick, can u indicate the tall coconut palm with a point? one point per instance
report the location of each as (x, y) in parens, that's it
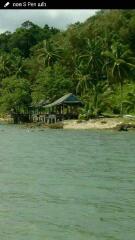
(89, 64)
(119, 65)
(48, 53)
(4, 66)
(91, 57)
(82, 81)
(88, 72)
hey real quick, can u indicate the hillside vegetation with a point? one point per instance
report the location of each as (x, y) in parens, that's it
(94, 60)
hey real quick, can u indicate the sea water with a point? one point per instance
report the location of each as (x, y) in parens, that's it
(66, 184)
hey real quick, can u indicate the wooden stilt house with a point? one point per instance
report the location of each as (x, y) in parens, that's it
(65, 107)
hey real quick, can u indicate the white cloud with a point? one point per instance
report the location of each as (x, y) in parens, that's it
(11, 19)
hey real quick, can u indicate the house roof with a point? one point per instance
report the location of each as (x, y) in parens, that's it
(39, 104)
(66, 99)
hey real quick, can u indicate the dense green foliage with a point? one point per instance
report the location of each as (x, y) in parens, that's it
(94, 60)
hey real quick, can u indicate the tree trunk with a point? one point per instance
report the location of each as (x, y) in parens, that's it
(121, 99)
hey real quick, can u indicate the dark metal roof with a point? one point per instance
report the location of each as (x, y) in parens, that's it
(66, 99)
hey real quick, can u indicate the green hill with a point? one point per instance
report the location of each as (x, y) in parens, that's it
(94, 60)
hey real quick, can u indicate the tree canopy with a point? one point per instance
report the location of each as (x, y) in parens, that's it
(94, 60)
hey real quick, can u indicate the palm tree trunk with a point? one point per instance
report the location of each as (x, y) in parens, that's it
(121, 98)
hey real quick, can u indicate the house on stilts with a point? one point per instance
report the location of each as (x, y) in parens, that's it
(66, 107)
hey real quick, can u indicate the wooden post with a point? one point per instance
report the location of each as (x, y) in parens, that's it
(62, 111)
(67, 113)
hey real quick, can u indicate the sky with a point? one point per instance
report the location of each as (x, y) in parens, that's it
(11, 19)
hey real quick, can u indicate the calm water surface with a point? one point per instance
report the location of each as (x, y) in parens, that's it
(66, 185)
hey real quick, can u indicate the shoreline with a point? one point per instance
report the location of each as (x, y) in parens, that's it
(104, 123)
(111, 123)
(99, 123)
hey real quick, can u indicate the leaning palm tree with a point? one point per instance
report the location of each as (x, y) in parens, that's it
(119, 64)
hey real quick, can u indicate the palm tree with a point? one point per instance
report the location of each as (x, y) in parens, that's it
(91, 58)
(89, 74)
(99, 97)
(120, 62)
(20, 68)
(4, 66)
(48, 54)
(130, 102)
(82, 82)
(89, 64)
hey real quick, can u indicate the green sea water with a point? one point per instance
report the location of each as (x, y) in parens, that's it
(66, 185)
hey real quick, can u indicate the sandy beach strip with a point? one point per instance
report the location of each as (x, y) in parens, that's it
(105, 123)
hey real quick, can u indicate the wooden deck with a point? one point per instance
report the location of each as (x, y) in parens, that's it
(52, 118)
(43, 118)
